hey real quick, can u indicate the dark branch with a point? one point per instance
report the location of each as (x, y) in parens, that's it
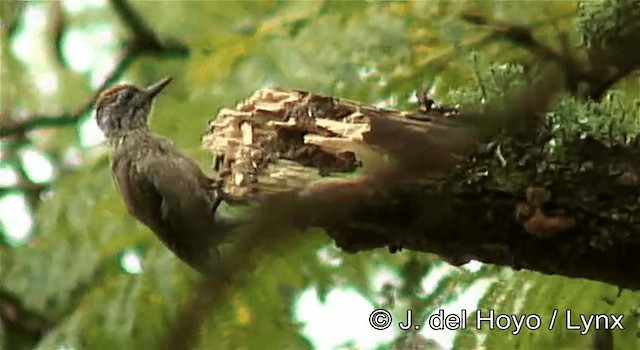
(140, 30)
(58, 27)
(43, 121)
(15, 317)
(30, 188)
(11, 16)
(598, 78)
(145, 42)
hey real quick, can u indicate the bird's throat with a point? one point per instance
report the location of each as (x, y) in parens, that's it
(129, 138)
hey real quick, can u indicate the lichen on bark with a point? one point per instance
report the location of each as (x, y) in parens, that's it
(512, 200)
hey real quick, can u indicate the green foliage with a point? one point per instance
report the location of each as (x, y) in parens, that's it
(610, 29)
(605, 23)
(612, 120)
(492, 81)
(529, 293)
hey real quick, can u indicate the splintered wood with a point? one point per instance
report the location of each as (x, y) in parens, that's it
(289, 140)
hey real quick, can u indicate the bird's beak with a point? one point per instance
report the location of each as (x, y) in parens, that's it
(155, 89)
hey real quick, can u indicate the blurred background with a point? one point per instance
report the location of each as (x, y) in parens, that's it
(77, 272)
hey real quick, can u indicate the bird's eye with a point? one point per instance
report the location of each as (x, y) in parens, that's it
(126, 94)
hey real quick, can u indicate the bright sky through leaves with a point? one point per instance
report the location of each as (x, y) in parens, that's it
(14, 215)
(130, 262)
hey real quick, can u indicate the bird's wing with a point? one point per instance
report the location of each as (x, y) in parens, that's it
(186, 211)
(186, 202)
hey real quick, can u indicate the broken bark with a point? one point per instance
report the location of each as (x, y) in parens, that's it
(503, 202)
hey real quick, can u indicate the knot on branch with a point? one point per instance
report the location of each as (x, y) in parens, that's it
(534, 219)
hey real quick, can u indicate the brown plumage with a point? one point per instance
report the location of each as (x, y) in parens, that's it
(161, 187)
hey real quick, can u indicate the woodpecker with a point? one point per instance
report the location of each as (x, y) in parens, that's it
(161, 187)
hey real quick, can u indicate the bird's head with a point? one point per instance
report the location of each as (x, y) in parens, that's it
(126, 107)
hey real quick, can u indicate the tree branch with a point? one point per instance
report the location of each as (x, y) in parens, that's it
(145, 42)
(131, 19)
(42, 121)
(598, 78)
(278, 147)
(527, 211)
(15, 318)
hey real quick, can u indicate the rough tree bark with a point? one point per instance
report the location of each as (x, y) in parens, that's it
(504, 202)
